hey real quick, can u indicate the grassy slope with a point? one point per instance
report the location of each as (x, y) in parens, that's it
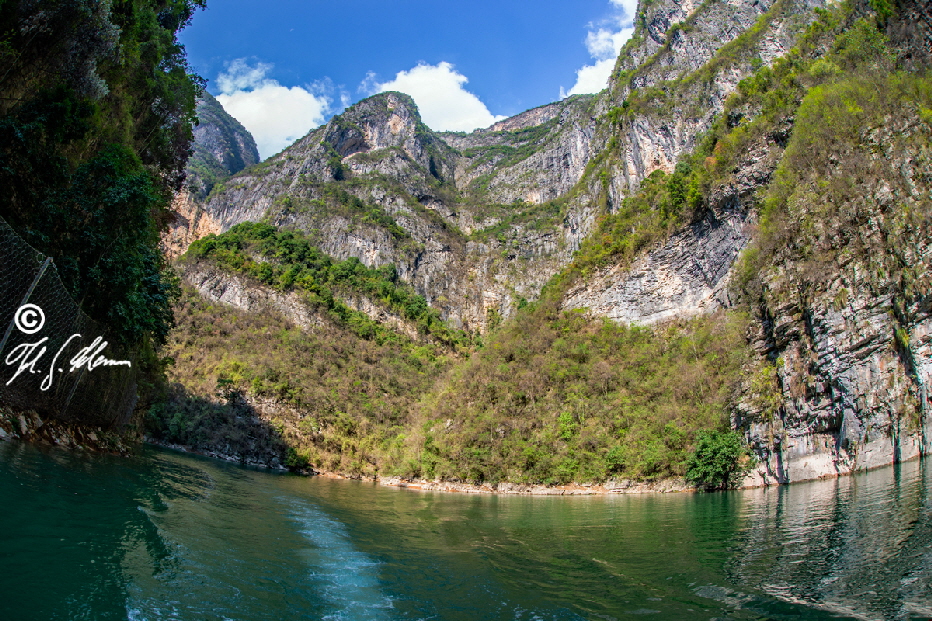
(552, 396)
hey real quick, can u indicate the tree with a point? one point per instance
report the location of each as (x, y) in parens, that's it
(95, 129)
(720, 457)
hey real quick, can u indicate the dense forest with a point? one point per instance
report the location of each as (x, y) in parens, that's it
(97, 106)
(96, 124)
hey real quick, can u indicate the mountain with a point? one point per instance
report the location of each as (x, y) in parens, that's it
(222, 147)
(747, 204)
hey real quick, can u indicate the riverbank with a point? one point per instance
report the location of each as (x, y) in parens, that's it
(28, 426)
(620, 486)
(614, 486)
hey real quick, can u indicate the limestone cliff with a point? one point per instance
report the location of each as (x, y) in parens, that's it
(377, 184)
(238, 292)
(477, 222)
(843, 287)
(222, 147)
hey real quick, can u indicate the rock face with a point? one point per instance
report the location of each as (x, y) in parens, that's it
(846, 322)
(218, 286)
(849, 401)
(489, 217)
(682, 64)
(29, 426)
(222, 147)
(238, 292)
(189, 222)
(686, 276)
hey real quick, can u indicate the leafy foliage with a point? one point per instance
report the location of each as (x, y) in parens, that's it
(719, 459)
(839, 196)
(95, 129)
(341, 403)
(555, 396)
(287, 260)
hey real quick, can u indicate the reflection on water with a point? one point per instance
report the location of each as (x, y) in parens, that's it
(170, 536)
(859, 545)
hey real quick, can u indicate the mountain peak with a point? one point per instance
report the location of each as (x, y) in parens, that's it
(381, 121)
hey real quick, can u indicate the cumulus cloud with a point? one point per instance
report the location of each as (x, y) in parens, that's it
(629, 7)
(439, 94)
(604, 43)
(275, 115)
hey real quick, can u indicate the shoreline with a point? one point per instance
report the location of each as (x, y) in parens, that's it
(29, 427)
(611, 487)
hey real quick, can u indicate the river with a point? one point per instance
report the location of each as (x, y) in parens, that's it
(164, 535)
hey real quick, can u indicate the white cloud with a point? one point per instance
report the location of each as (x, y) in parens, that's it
(439, 94)
(275, 115)
(603, 45)
(628, 7)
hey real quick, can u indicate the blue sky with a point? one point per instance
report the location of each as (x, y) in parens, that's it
(283, 67)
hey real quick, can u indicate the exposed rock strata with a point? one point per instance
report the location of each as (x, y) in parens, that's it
(219, 286)
(222, 147)
(849, 402)
(238, 292)
(189, 222)
(684, 277)
(850, 335)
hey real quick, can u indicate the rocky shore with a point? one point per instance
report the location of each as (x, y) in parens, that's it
(613, 486)
(30, 427)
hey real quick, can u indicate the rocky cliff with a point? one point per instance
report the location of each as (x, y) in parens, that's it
(222, 147)
(487, 218)
(676, 192)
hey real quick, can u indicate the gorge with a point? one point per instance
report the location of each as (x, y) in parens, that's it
(755, 179)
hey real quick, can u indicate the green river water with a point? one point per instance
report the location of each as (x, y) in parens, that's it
(164, 535)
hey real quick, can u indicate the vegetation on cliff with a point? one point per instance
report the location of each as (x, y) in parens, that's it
(849, 191)
(552, 397)
(835, 132)
(338, 401)
(558, 396)
(287, 261)
(95, 130)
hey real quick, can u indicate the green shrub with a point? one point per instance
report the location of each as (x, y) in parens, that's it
(720, 458)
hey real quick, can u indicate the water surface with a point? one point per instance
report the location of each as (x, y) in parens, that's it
(171, 536)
